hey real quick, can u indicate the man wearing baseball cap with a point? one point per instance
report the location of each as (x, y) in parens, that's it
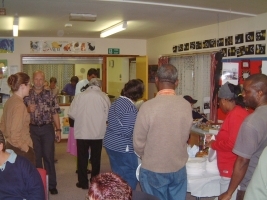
(195, 114)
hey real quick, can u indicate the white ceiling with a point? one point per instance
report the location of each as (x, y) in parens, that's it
(45, 18)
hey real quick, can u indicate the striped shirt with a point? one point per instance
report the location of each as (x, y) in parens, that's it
(121, 119)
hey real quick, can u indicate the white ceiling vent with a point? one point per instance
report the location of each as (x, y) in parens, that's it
(82, 17)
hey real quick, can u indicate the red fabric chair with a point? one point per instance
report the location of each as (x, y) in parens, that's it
(44, 177)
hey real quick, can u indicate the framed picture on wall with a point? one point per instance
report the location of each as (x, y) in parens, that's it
(152, 70)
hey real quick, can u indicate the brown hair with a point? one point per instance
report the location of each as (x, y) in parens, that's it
(133, 89)
(109, 186)
(15, 80)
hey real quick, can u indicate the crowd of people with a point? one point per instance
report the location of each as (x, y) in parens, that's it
(157, 132)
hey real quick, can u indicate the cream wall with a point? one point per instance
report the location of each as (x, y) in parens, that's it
(82, 69)
(126, 46)
(117, 75)
(163, 45)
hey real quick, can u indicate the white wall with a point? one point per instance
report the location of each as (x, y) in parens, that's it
(163, 45)
(126, 46)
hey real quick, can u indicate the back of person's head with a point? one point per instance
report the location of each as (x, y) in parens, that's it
(74, 79)
(231, 92)
(15, 80)
(92, 71)
(2, 141)
(109, 186)
(133, 89)
(258, 82)
(53, 80)
(95, 82)
(167, 73)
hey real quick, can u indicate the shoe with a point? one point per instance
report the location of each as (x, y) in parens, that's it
(80, 186)
(53, 191)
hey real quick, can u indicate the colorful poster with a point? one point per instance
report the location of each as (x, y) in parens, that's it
(6, 45)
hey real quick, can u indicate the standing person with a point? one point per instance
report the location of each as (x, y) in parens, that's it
(118, 140)
(252, 136)
(44, 109)
(16, 119)
(160, 137)
(257, 186)
(53, 86)
(89, 110)
(70, 88)
(19, 179)
(231, 103)
(83, 84)
(195, 115)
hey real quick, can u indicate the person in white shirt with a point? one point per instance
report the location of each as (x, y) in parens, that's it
(83, 84)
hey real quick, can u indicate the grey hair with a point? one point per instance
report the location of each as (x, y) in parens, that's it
(95, 82)
(167, 73)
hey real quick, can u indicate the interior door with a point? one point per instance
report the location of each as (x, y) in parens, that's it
(142, 72)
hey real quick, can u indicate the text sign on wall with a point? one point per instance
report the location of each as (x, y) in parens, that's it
(113, 51)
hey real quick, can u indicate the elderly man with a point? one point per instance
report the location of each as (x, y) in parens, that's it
(44, 109)
(83, 84)
(89, 109)
(252, 136)
(160, 137)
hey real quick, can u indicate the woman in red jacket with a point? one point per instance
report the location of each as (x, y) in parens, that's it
(231, 103)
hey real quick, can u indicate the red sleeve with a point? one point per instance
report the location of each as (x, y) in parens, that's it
(232, 122)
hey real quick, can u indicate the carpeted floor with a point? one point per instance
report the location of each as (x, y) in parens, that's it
(67, 178)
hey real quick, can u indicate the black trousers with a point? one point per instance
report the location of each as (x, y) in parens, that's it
(43, 139)
(82, 154)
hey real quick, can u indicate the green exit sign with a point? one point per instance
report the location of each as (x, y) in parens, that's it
(113, 51)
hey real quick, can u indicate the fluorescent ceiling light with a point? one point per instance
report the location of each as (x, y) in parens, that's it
(114, 29)
(16, 26)
(82, 17)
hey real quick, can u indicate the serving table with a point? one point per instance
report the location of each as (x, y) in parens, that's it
(205, 185)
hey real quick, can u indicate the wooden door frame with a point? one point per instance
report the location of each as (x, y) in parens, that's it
(104, 65)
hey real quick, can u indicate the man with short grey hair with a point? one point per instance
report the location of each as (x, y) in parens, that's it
(160, 138)
(89, 109)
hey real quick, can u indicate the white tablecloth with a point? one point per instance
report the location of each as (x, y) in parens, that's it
(206, 185)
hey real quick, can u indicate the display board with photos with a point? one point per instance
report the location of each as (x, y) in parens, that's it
(241, 44)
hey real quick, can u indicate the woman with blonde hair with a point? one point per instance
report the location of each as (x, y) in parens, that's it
(16, 119)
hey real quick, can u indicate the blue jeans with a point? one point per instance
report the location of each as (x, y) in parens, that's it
(124, 164)
(165, 186)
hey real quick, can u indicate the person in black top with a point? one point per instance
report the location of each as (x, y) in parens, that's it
(195, 115)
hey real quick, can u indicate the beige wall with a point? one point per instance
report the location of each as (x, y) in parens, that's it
(82, 69)
(117, 75)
